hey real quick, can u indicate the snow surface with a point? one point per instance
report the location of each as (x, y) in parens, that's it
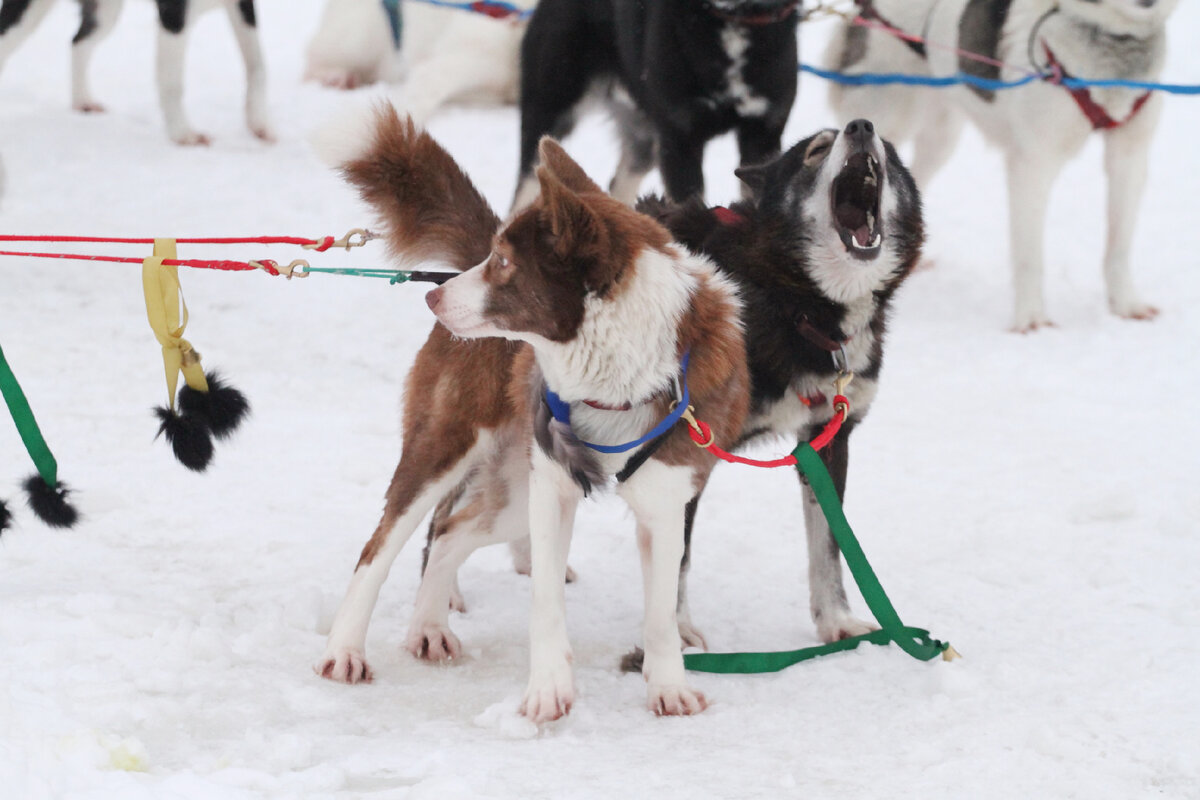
(1030, 498)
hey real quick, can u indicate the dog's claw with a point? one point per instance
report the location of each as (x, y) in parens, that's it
(193, 139)
(549, 696)
(675, 701)
(843, 627)
(434, 643)
(346, 666)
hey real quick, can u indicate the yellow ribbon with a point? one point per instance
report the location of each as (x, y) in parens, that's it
(168, 316)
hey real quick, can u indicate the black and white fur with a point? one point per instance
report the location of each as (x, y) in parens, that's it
(800, 256)
(674, 74)
(19, 17)
(1039, 126)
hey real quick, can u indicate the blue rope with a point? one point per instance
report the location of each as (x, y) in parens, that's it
(561, 411)
(885, 78)
(392, 7)
(499, 8)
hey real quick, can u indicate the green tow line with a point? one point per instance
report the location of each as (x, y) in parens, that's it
(27, 426)
(914, 641)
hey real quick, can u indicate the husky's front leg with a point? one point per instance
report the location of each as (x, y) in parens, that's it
(553, 498)
(1126, 151)
(659, 495)
(1030, 176)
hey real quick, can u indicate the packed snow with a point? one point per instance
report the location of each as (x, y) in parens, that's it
(1031, 499)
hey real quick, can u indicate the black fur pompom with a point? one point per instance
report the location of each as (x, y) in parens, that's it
(222, 408)
(50, 502)
(5, 517)
(188, 436)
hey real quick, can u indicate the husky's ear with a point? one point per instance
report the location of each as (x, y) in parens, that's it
(573, 225)
(754, 177)
(555, 159)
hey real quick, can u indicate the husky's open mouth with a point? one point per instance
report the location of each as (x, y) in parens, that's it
(855, 196)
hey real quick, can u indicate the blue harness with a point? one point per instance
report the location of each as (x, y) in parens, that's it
(562, 413)
(392, 7)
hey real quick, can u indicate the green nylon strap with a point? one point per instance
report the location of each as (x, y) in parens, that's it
(27, 426)
(914, 641)
(393, 275)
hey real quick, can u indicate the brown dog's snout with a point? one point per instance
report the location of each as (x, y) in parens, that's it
(433, 298)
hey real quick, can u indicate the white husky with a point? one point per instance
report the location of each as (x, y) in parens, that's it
(1040, 126)
(445, 55)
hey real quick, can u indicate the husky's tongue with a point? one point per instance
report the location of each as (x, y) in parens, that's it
(862, 236)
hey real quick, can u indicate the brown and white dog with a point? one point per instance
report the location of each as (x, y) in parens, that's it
(577, 295)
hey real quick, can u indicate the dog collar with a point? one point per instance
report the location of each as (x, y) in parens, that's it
(1096, 113)
(561, 411)
(754, 20)
(727, 216)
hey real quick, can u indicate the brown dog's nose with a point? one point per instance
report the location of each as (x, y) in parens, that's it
(433, 298)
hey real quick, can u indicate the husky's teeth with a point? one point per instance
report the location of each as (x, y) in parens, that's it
(876, 241)
(870, 221)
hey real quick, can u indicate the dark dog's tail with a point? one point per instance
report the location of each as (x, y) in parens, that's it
(430, 210)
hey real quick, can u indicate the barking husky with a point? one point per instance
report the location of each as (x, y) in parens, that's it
(577, 318)
(1040, 126)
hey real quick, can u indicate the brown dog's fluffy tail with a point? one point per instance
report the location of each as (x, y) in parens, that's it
(429, 208)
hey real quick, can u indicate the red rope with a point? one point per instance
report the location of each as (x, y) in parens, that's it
(228, 266)
(921, 40)
(323, 244)
(702, 433)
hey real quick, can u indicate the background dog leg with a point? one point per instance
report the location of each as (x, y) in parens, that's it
(680, 161)
(659, 496)
(97, 18)
(935, 141)
(827, 595)
(172, 43)
(637, 153)
(18, 19)
(245, 30)
(553, 498)
(1030, 177)
(1126, 151)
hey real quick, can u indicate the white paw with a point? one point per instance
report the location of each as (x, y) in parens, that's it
(88, 107)
(264, 133)
(843, 626)
(192, 139)
(1134, 309)
(550, 694)
(690, 636)
(433, 642)
(1029, 324)
(674, 701)
(344, 665)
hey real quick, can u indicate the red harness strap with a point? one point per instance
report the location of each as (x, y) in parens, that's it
(1096, 113)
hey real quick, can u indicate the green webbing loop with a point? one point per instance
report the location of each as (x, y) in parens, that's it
(395, 276)
(27, 426)
(914, 641)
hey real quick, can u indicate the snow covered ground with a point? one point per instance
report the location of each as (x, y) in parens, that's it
(1030, 498)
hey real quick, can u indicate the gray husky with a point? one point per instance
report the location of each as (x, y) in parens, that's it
(1039, 126)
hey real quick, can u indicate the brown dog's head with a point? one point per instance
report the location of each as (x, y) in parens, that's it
(572, 243)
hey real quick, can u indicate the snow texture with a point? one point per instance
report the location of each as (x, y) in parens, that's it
(1030, 498)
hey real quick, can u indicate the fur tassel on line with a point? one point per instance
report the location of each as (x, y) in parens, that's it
(222, 407)
(189, 437)
(50, 502)
(5, 517)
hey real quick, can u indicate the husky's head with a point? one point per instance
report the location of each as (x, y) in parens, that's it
(853, 207)
(1121, 16)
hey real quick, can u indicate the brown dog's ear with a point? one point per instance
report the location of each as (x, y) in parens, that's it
(555, 159)
(576, 229)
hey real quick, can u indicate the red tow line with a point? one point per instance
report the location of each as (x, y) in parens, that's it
(702, 435)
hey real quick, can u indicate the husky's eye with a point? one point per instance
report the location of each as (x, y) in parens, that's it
(819, 148)
(503, 262)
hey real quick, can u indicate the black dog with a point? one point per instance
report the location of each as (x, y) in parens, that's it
(833, 228)
(675, 73)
